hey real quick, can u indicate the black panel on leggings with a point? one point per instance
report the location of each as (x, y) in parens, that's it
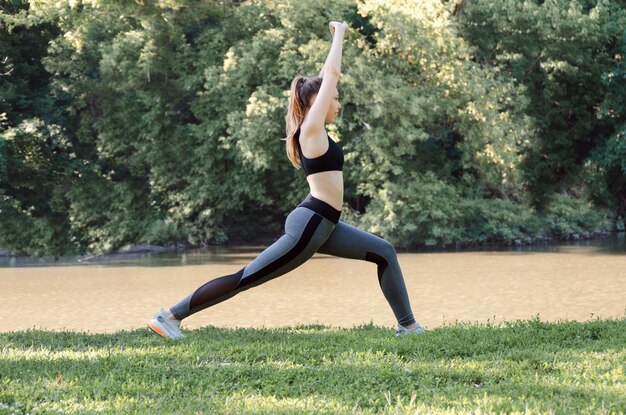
(215, 289)
(304, 240)
(227, 286)
(380, 261)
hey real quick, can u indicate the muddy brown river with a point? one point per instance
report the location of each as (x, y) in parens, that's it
(566, 282)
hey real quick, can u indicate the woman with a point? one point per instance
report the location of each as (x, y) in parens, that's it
(314, 225)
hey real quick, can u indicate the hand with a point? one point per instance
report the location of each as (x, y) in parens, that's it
(336, 26)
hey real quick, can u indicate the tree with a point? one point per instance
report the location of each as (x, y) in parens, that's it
(162, 121)
(609, 158)
(558, 50)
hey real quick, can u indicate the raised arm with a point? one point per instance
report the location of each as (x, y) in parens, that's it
(330, 76)
(322, 71)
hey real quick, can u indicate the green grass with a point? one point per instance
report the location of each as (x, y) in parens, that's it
(520, 367)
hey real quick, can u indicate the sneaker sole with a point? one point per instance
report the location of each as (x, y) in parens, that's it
(157, 330)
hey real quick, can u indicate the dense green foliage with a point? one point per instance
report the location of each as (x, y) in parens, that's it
(161, 121)
(527, 367)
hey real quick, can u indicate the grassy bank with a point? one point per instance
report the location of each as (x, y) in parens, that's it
(521, 367)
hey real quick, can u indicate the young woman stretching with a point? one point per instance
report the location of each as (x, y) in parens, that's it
(313, 226)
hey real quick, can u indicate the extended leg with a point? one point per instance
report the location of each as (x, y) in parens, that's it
(349, 242)
(305, 232)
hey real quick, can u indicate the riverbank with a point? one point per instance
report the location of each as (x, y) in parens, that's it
(514, 368)
(7, 258)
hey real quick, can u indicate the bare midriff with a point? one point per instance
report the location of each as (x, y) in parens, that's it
(328, 187)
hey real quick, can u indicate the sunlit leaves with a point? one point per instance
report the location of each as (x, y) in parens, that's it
(173, 112)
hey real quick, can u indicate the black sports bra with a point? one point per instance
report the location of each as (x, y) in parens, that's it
(331, 160)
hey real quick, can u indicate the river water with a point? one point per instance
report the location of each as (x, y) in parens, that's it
(576, 281)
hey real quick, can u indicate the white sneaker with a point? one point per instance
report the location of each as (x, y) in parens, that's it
(403, 331)
(163, 326)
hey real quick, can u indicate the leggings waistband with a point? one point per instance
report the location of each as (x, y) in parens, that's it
(322, 208)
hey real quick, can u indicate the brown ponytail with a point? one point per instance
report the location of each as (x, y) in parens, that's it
(302, 90)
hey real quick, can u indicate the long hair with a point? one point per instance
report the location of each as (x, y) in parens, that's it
(302, 90)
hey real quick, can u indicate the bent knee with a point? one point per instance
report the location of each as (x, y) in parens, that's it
(386, 250)
(382, 252)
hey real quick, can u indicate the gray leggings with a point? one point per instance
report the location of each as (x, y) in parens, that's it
(311, 227)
